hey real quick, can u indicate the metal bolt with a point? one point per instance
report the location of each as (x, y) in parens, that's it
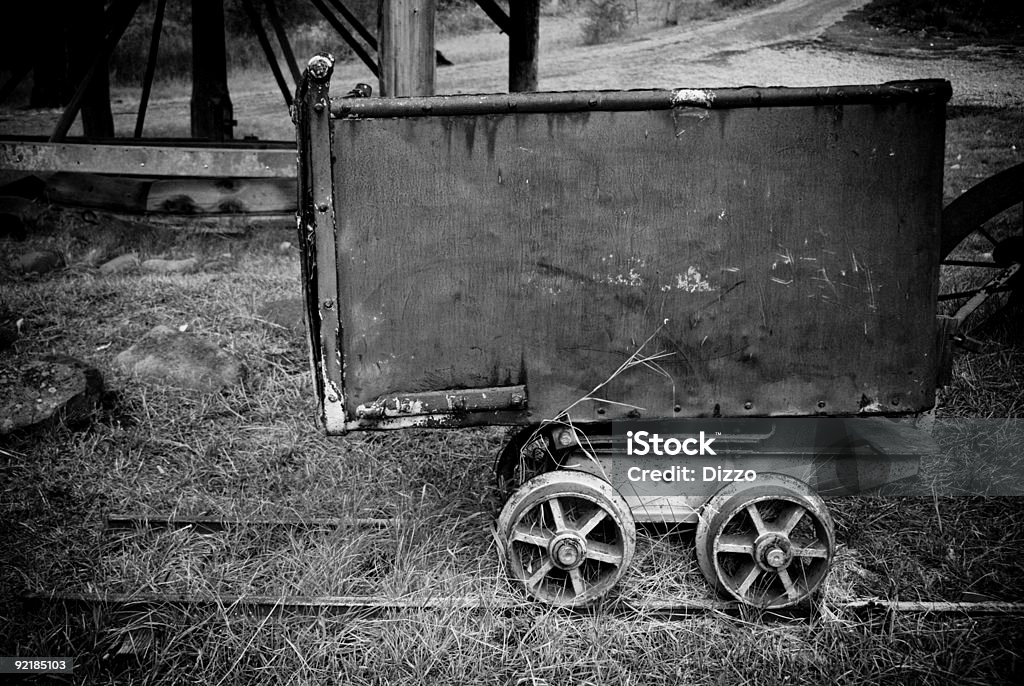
(517, 399)
(319, 107)
(328, 304)
(748, 405)
(332, 398)
(821, 404)
(322, 207)
(776, 557)
(567, 554)
(565, 439)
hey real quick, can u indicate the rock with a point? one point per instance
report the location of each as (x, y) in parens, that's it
(171, 266)
(38, 262)
(176, 359)
(285, 313)
(284, 247)
(122, 263)
(38, 393)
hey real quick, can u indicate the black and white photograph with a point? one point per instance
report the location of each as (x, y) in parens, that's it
(512, 342)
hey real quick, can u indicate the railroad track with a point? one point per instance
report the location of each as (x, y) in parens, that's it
(269, 606)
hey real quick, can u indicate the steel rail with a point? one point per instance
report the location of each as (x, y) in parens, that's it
(123, 522)
(282, 605)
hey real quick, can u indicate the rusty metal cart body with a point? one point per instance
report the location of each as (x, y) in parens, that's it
(577, 263)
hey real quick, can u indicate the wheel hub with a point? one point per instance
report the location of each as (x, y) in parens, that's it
(567, 550)
(773, 552)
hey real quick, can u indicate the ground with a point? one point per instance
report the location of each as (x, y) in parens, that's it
(254, 449)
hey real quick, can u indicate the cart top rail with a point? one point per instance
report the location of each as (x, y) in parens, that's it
(642, 100)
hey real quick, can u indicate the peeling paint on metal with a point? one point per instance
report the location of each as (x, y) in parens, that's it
(692, 97)
(691, 282)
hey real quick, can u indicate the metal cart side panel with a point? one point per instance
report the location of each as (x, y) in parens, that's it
(498, 266)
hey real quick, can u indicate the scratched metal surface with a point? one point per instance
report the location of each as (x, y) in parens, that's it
(781, 261)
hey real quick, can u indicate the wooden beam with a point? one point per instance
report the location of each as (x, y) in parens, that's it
(407, 54)
(268, 50)
(347, 37)
(115, 20)
(282, 39)
(353, 20)
(142, 160)
(522, 45)
(497, 15)
(212, 114)
(147, 81)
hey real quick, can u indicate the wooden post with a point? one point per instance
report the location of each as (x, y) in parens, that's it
(524, 17)
(212, 114)
(406, 54)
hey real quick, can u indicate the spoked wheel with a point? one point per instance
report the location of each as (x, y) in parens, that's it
(768, 544)
(569, 537)
(527, 454)
(983, 250)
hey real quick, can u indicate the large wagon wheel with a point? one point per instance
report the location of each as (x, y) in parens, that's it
(568, 537)
(768, 544)
(983, 250)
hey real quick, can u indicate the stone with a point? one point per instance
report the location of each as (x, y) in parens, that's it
(284, 247)
(37, 262)
(159, 266)
(286, 313)
(181, 360)
(120, 264)
(35, 393)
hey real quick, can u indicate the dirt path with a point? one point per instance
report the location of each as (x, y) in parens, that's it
(780, 44)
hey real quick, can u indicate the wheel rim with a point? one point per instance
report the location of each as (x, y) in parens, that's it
(569, 537)
(983, 248)
(768, 545)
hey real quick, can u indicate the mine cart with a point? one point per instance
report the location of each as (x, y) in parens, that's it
(722, 269)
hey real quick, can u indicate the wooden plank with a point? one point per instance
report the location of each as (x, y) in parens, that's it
(212, 113)
(96, 191)
(147, 160)
(221, 196)
(496, 14)
(524, 20)
(406, 53)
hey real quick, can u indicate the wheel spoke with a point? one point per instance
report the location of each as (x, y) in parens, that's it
(755, 517)
(735, 543)
(541, 572)
(987, 235)
(965, 294)
(791, 590)
(557, 515)
(970, 263)
(602, 552)
(812, 549)
(749, 579)
(578, 584)
(523, 534)
(592, 520)
(788, 521)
